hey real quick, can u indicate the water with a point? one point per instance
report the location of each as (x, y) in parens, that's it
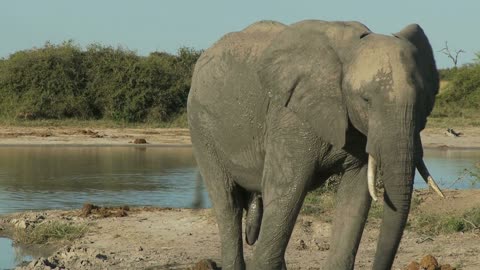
(11, 256)
(451, 168)
(65, 177)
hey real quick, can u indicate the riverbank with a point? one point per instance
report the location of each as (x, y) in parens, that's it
(156, 238)
(16, 135)
(58, 135)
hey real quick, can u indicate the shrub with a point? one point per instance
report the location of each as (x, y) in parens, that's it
(461, 97)
(63, 81)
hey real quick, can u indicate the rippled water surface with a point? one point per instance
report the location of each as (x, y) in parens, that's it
(61, 177)
(47, 177)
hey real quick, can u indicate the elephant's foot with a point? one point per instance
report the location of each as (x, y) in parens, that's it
(264, 265)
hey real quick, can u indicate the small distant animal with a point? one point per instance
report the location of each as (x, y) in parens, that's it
(453, 133)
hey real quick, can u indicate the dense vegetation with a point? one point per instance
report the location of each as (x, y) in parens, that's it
(459, 97)
(66, 82)
(105, 83)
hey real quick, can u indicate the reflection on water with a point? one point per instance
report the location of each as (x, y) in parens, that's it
(451, 168)
(47, 177)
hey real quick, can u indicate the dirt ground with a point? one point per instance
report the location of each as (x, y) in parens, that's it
(154, 238)
(12, 135)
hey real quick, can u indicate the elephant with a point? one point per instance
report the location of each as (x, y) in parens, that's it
(274, 110)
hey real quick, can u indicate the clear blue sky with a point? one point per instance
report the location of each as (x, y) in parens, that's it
(146, 25)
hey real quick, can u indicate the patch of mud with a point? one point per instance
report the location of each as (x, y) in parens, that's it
(95, 211)
(428, 262)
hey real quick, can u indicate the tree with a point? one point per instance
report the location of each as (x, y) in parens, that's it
(452, 55)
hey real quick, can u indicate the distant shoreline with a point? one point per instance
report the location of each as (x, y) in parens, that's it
(432, 138)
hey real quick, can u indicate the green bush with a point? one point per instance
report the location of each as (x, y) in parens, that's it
(461, 97)
(101, 82)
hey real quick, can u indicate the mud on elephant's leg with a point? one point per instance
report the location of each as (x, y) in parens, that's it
(287, 172)
(227, 204)
(352, 206)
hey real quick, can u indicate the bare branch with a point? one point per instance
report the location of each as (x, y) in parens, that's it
(453, 56)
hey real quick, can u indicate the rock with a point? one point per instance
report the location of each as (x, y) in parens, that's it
(22, 224)
(413, 266)
(101, 257)
(139, 141)
(85, 263)
(87, 209)
(447, 267)
(140, 248)
(205, 264)
(429, 263)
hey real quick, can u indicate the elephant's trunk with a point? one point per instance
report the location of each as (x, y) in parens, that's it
(397, 163)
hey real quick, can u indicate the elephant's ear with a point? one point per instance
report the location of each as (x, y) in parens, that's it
(425, 61)
(302, 72)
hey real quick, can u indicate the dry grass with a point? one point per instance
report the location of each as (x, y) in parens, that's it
(49, 231)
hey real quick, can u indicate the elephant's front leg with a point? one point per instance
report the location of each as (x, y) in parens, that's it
(289, 166)
(353, 203)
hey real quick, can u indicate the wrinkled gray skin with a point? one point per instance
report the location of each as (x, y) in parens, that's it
(274, 110)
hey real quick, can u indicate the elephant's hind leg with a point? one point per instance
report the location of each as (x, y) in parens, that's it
(353, 203)
(227, 204)
(287, 172)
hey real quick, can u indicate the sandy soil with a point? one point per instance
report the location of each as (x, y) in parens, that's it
(431, 137)
(89, 136)
(154, 238)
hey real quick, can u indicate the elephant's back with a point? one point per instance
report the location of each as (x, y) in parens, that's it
(245, 45)
(226, 100)
(225, 76)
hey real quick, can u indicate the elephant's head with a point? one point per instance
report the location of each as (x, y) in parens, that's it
(337, 76)
(390, 85)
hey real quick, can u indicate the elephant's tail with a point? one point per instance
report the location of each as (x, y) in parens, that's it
(198, 196)
(254, 218)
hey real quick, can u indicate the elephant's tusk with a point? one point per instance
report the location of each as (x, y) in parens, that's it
(372, 170)
(422, 169)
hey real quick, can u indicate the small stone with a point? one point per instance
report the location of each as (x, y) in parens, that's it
(140, 248)
(22, 224)
(139, 141)
(101, 257)
(85, 262)
(429, 263)
(413, 266)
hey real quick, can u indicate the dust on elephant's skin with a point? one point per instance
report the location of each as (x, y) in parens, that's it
(274, 110)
